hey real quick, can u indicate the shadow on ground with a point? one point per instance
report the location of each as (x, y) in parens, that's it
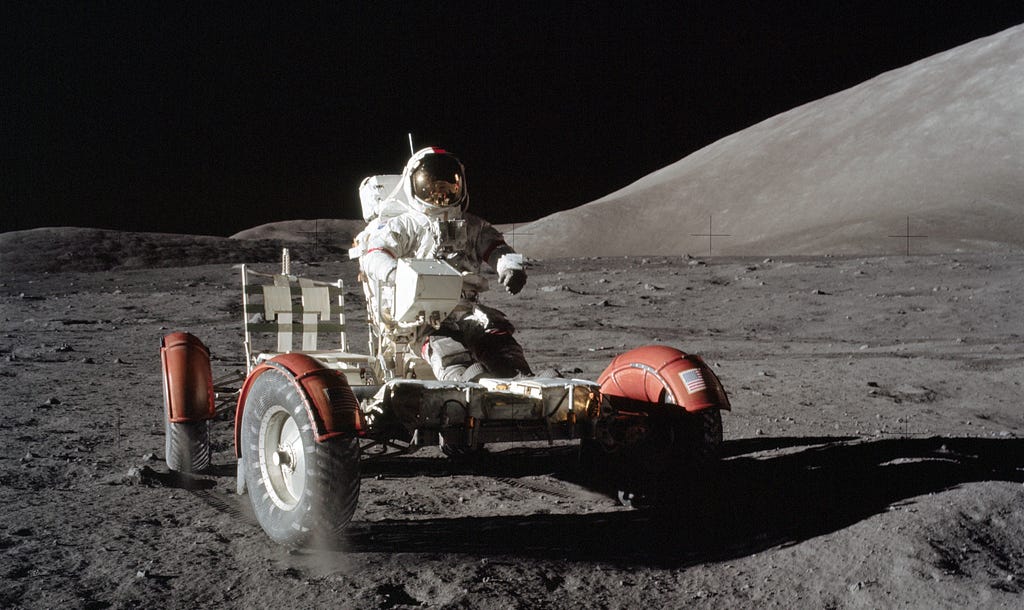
(747, 505)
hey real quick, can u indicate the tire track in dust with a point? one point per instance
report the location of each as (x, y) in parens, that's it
(570, 495)
(231, 507)
(537, 487)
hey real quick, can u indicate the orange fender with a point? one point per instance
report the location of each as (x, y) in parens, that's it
(188, 381)
(332, 408)
(657, 373)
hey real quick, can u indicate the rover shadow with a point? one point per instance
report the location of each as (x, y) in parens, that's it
(560, 460)
(512, 462)
(746, 505)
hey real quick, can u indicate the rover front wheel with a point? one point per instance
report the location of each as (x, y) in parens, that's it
(303, 492)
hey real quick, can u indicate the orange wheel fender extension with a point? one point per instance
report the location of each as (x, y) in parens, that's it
(187, 379)
(332, 408)
(658, 373)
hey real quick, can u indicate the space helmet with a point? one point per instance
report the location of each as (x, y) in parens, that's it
(436, 181)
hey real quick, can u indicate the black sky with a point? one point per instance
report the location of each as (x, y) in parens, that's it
(214, 117)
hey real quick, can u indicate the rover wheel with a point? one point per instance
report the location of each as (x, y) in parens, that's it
(240, 477)
(659, 461)
(453, 446)
(706, 446)
(303, 492)
(187, 445)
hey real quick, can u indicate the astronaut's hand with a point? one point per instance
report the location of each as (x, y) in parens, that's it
(513, 280)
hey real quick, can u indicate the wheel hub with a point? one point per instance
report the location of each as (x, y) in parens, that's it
(281, 457)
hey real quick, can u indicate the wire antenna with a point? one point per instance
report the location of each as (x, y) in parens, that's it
(412, 151)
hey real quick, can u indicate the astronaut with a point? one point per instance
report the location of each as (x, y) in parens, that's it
(474, 340)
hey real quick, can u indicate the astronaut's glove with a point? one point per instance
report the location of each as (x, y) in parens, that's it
(510, 272)
(513, 280)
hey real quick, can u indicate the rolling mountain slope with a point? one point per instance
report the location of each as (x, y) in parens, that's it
(937, 141)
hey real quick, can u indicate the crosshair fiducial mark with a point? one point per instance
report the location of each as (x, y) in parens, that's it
(513, 234)
(908, 236)
(710, 235)
(314, 235)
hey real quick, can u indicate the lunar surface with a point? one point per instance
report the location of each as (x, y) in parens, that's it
(873, 456)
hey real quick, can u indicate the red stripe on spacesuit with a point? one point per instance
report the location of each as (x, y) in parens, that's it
(384, 250)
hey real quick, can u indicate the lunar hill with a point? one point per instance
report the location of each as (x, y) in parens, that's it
(936, 144)
(50, 249)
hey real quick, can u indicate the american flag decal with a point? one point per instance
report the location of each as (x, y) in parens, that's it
(693, 380)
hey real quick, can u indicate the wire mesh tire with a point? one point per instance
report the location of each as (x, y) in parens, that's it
(454, 447)
(187, 446)
(660, 460)
(302, 492)
(706, 444)
(682, 443)
(240, 488)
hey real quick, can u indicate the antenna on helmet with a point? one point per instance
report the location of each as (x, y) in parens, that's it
(412, 151)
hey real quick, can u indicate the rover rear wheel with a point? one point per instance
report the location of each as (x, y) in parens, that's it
(706, 435)
(187, 445)
(654, 460)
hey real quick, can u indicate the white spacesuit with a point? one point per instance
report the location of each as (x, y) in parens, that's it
(474, 340)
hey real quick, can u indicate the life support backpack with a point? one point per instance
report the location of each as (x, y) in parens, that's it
(382, 198)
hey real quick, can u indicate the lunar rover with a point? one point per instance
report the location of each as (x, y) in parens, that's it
(307, 411)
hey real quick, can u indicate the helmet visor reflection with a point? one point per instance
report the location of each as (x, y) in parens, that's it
(438, 181)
